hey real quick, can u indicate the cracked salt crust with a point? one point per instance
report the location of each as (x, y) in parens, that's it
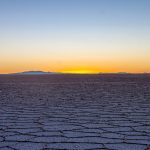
(75, 112)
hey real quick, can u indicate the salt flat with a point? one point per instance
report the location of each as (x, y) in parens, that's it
(75, 112)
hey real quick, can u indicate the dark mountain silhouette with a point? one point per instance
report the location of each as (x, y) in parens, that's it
(35, 73)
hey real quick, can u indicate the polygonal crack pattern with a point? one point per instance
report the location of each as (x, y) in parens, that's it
(75, 112)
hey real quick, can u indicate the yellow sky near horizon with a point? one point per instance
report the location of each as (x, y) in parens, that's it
(74, 56)
(74, 66)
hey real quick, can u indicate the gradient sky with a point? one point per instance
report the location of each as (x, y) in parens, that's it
(75, 35)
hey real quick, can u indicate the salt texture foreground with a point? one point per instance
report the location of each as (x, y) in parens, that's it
(75, 112)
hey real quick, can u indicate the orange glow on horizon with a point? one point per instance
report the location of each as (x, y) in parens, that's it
(81, 71)
(74, 68)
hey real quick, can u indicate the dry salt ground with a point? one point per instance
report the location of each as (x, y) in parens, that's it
(75, 112)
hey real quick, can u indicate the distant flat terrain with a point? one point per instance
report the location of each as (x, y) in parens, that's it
(75, 112)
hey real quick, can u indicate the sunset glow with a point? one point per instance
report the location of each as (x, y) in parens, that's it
(81, 71)
(75, 36)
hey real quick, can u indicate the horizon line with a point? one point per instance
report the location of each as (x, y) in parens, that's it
(61, 72)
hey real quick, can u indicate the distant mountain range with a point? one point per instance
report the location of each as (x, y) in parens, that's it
(35, 73)
(51, 73)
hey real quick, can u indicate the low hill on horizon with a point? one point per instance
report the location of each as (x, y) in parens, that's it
(35, 73)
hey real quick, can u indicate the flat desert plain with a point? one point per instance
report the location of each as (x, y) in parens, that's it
(75, 112)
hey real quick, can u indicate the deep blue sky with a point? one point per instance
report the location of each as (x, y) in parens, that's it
(71, 31)
(75, 13)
